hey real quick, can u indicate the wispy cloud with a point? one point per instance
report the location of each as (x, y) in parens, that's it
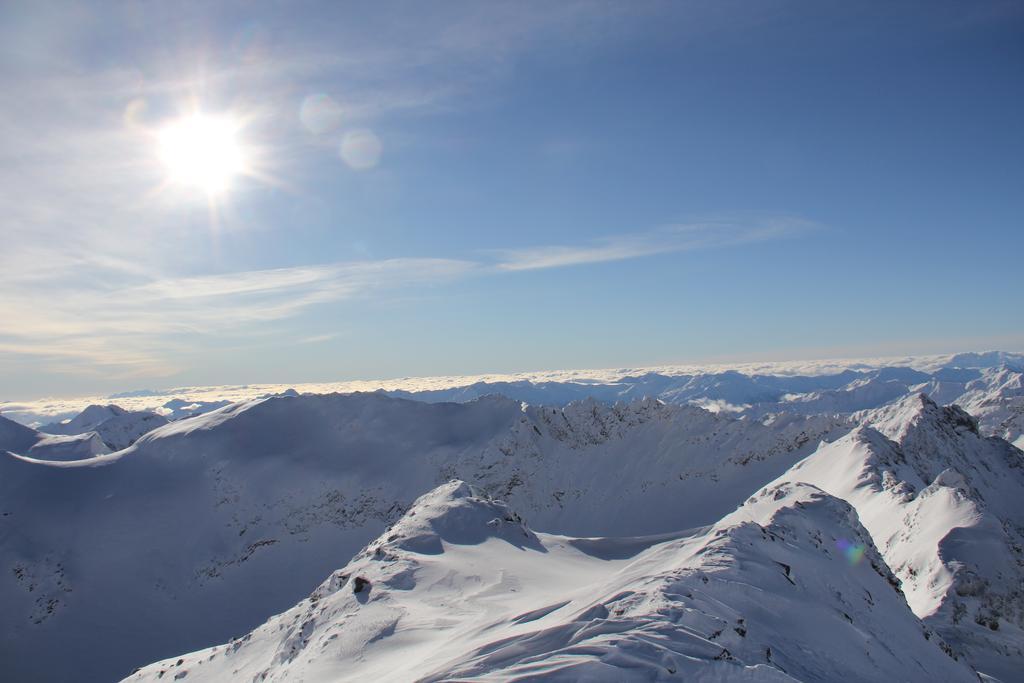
(319, 338)
(133, 326)
(673, 238)
(134, 329)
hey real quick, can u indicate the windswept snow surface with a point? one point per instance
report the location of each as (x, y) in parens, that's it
(461, 589)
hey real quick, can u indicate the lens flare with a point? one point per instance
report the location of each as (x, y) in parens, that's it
(854, 552)
(360, 149)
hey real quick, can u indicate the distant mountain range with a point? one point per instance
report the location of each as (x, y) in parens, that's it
(851, 525)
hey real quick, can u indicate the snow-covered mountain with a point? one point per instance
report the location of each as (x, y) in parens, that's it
(20, 439)
(207, 525)
(461, 589)
(943, 505)
(739, 386)
(116, 427)
(85, 421)
(989, 385)
(995, 395)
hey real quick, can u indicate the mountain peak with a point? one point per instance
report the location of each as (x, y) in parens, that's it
(917, 412)
(15, 436)
(984, 359)
(455, 514)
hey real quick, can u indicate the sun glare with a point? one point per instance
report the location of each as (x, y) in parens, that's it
(202, 152)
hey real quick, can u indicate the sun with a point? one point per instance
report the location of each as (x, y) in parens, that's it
(202, 152)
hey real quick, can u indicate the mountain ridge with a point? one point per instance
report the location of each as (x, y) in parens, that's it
(278, 492)
(672, 609)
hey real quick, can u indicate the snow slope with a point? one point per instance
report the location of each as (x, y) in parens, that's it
(24, 440)
(116, 427)
(943, 505)
(15, 436)
(86, 421)
(990, 386)
(206, 526)
(461, 589)
(994, 395)
(997, 400)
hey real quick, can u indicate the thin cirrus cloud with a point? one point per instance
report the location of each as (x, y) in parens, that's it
(671, 239)
(135, 328)
(282, 292)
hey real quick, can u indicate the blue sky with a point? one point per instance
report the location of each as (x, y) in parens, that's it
(497, 187)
